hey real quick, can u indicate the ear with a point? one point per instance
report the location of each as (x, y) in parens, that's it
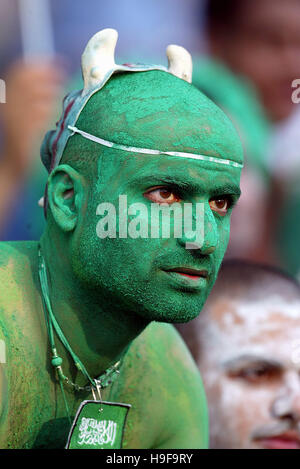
(66, 190)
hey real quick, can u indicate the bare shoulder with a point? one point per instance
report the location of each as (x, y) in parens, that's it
(15, 251)
(165, 350)
(14, 265)
(12, 258)
(3, 385)
(17, 290)
(6, 254)
(165, 378)
(166, 346)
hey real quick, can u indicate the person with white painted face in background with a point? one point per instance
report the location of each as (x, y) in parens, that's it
(246, 343)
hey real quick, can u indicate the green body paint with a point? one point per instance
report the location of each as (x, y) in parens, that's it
(106, 292)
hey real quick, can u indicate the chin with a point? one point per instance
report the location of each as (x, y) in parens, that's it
(173, 313)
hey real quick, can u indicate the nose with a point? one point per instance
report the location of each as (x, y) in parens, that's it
(286, 404)
(205, 237)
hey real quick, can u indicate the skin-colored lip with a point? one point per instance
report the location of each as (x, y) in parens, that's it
(287, 440)
(186, 271)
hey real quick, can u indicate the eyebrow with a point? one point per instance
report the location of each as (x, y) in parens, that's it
(227, 189)
(187, 184)
(235, 364)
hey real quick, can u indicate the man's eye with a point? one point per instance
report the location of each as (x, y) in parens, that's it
(255, 374)
(162, 195)
(220, 205)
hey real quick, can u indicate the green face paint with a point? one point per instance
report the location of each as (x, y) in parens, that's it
(154, 110)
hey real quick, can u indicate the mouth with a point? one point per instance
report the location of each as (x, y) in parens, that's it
(288, 440)
(189, 273)
(188, 277)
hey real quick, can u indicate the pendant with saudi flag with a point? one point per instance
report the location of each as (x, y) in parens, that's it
(98, 425)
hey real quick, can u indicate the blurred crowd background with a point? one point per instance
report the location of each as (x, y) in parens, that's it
(246, 56)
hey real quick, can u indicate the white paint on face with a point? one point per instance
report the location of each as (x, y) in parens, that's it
(249, 368)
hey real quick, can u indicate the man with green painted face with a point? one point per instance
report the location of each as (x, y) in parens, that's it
(83, 315)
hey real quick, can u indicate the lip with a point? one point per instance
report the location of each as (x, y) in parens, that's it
(188, 277)
(288, 440)
(188, 272)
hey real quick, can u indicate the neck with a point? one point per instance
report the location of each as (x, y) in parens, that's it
(98, 331)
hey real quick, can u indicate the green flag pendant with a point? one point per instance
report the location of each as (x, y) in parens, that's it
(98, 425)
